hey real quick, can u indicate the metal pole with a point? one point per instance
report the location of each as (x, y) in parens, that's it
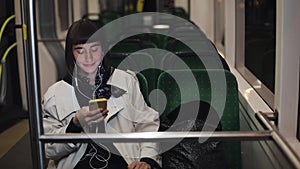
(32, 83)
(157, 136)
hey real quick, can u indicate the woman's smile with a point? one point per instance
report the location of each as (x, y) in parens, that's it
(88, 57)
(88, 64)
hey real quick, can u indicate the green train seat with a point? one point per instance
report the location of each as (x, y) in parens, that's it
(127, 46)
(143, 86)
(137, 62)
(219, 88)
(108, 16)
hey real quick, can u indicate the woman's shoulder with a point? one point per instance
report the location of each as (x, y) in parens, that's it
(60, 87)
(125, 74)
(61, 95)
(122, 79)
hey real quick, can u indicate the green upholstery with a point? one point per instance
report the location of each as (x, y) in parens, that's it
(149, 44)
(116, 58)
(190, 60)
(189, 35)
(201, 55)
(127, 46)
(180, 12)
(136, 62)
(182, 89)
(143, 86)
(159, 39)
(221, 80)
(201, 46)
(107, 17)
(146, 40)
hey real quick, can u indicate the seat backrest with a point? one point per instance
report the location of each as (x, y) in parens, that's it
(192, 153)
(190, 60)
(137, 62)
(180, 12)
(143, 86)
(217, 87)
(200, 46)
(127, 46)
(109, 16)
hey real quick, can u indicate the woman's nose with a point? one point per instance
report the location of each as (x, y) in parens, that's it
(89, 56)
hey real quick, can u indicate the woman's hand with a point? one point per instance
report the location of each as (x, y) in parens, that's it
(85, 117)
(139, 165)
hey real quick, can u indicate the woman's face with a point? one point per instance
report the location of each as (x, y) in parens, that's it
(88, 57)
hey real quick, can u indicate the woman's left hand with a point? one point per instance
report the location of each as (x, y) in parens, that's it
(139, 165)
(85, 118)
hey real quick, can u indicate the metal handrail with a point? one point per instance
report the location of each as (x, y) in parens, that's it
(156, 136)
(279, 140)
(32, 83)
(5, 24)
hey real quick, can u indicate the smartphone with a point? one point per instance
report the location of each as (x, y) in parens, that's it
(98, 103)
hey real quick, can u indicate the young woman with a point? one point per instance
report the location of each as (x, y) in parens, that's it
(65, 108)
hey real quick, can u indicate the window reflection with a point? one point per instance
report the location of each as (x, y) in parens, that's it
(260, 16)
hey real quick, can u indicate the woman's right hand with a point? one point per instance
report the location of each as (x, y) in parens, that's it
(84, 117)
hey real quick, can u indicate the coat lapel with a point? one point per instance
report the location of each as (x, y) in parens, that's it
(114, 105)
(66, 103)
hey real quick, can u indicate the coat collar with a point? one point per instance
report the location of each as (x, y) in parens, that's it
(119, 79)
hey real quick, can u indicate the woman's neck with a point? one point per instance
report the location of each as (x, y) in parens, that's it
(91, 76)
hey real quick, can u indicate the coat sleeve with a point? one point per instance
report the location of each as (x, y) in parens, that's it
(145, 119)
(54, 125)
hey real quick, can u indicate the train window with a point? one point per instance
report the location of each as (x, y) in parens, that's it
(256, 35)
(219, 16)
(63, 13)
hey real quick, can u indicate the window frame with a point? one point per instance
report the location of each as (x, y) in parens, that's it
(267, 95)
(219, 25)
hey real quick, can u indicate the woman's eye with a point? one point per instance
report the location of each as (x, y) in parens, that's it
(80, 51)
(95, 49)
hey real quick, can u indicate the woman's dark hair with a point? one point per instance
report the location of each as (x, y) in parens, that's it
(80, 32)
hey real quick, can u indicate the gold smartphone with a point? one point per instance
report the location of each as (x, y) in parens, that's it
(98, 103)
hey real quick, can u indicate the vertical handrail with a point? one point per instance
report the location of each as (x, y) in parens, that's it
(32, 83)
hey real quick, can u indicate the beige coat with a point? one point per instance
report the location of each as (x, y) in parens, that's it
(127, 113)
